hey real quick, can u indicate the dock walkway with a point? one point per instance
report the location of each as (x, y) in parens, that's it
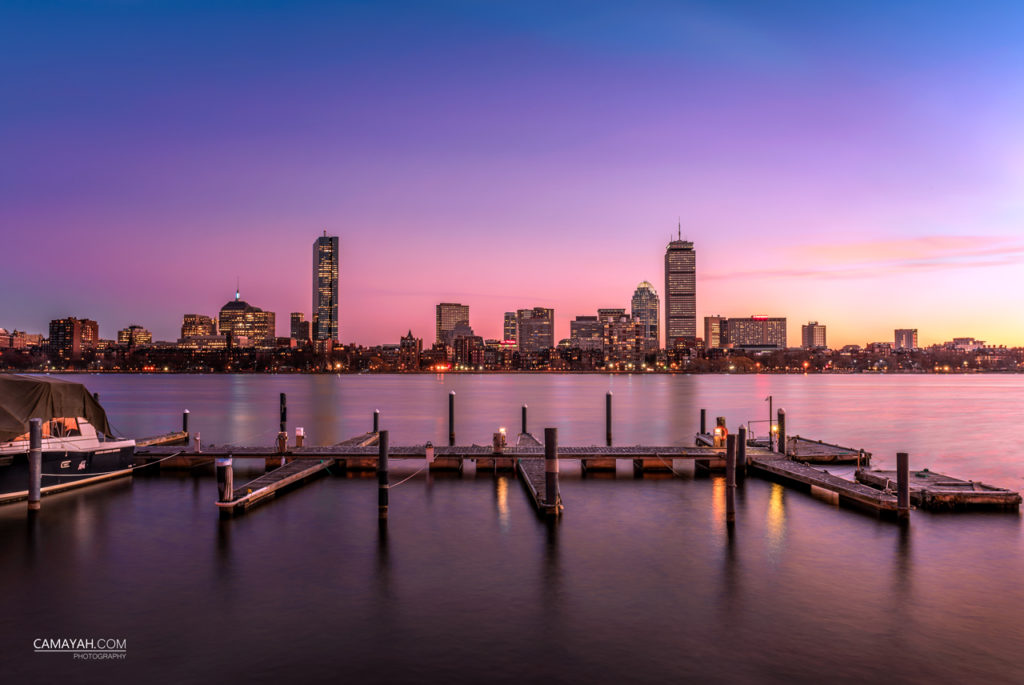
(272, 482)
(939, 492)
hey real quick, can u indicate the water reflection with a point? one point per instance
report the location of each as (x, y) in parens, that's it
(501, 496)
(775, 529)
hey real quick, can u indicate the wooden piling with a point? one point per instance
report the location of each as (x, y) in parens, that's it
(451, 418)
(741, 452)
(282, 435)
(199, 445)
(376, 420)
(608, 418)
(382, 475)
(782, 431)
(703, 421)
(300, 436)
(551, 466)
(730, 479)
(284, 413)
(225, 479)
(35, 463)
(184, 421)
(903, 486)
(524, 431)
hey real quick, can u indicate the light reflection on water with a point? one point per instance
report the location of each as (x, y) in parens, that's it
(639, 581)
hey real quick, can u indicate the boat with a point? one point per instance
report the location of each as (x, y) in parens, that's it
(78, 443)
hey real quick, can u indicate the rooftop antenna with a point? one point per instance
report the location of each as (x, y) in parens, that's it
(680, 228)
(238, 283)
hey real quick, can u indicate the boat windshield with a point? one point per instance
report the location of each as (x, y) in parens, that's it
(64, 427)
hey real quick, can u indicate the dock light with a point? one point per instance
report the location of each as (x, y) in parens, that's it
(430, 452)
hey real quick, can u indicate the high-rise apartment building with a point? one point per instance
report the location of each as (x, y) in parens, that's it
(812, 336)
(90, 333)
(757, 331)
(715, 332)
(645, 313)
(906, 338)
(300, 328)
(680, 292)
(509, 327)
(448, 315)
(66, 338)
(587, 333)
(325, 288)
(536, 329)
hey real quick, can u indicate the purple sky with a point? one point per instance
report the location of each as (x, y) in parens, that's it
(861, 167)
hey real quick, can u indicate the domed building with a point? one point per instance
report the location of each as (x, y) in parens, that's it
(254, 325)
(645, 312)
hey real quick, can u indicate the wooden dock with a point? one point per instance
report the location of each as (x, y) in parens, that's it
(818, 452)
(781, 468)
(531, 473)
(271, 483)
(175, 438)
(939, 492)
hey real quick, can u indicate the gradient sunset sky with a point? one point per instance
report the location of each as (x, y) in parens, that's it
(860, 164)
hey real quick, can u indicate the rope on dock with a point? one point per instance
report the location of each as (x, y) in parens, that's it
(668, 464)
(392, 487)
(104, 473)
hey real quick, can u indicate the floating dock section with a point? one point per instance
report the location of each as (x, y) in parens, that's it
(818, 452)
(939, 492)
(271, 483)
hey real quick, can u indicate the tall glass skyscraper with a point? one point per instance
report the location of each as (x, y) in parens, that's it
(680, 292)
(645, 312)
(325, 287)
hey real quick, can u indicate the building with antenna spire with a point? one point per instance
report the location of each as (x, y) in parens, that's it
(247, 325)
(680, 291)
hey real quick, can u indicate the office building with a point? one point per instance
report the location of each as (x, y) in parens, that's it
(586, 333)
(715, 332)
(197, 325)
(906, 339)
(325, 288)
(644, 307)
(812, 336)
(300, 328)
(757, 331)
(253, 326)
(448, 315)
(536, 328)
(509, 327)
(680, 292)
(134, 336)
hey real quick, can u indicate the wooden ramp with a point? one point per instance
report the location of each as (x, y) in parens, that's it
(791, 472)
(531, 473)
(175, 438)
(818, 452)
(939, 492)
(272, 482)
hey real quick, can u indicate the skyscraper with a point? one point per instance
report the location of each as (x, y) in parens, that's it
(325, 288)
(241, 320)
(680, 291)
(645, 313)
(509, 328)
(448, 315)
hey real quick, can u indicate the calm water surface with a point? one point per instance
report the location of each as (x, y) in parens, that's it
(638, 582)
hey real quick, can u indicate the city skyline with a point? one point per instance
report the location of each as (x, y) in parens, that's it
(854, 166)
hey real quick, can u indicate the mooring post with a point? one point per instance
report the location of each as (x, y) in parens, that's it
(199, 446)
(551, 466)
(608, 418)
(35, 463)
(524, 420)
(730, 479)
(376, 420)
(282, 436)
(782, 431)
(741, 452)
(300, 436)
(225, 479)
(703, 421)
(903, 486)
(284, 413)
(184, 421)
(451, 418)
(382, 475)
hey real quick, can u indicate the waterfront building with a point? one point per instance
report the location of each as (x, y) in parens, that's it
(251, 325)
(193, 325)
(757, 331)
(906, 339)
(812, 336)
(623, 341)
(134, 336)
(609, 314)
(325, 288)
(300, 328)
(202, 343)
(509, 327)
(409, 349)
(469, 351)
(447, 315)
(66, 338)
(644, 307)
(680, 292)
(586, 333)
(536, 328)
(90, 334)
(715, 332)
